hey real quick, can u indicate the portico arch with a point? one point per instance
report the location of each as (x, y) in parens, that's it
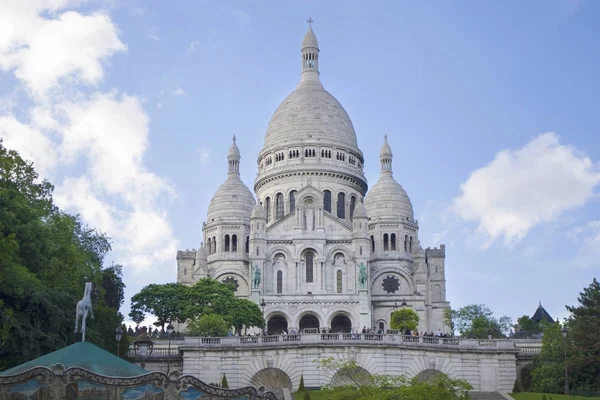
(272, 379)
(340, 322)
(309, 320)
(429, 375)
(277, 324)
(358, 375)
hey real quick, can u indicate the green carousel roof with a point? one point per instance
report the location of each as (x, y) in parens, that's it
(83, 355)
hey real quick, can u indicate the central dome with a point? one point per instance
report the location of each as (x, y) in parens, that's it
(310, 113)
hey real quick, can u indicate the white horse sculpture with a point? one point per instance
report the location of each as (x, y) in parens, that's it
(83, 307)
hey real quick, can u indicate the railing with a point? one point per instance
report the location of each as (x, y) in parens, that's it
(530, 350)
(339, 339)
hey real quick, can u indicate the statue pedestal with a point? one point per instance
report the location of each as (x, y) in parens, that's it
(255, 296)
(364, 308)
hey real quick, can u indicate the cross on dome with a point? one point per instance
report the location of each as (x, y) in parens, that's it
(310, 21)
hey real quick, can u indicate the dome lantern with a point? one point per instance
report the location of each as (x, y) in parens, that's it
(385, 156)
(310, 56)
(233, 158)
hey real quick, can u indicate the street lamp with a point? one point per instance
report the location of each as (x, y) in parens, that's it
(262, 306)
(144, 346)
(118, 334)
(404, 304)
(564, 332)
(170, 331)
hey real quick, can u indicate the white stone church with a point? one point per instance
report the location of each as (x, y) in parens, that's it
(313, 245)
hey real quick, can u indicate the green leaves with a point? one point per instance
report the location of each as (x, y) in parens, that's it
(404, 319)
(212, 325)
(477, 321)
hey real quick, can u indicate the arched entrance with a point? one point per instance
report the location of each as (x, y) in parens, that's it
(351, 376)
(272, 379)
(309, 321)
(429, 375)
(277, 324)
(341, 323)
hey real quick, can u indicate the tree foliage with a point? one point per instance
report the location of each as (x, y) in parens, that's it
(404, 319)
(477, 321)
(583, 340)
(212, 325)
(46, 256)
(548, 376)
(175, 302)
(385, 387)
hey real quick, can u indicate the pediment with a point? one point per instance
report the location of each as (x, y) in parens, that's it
(309, 192)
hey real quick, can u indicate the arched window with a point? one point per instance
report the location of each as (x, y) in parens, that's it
(352, 206)
(257, 251)
(214, 245)
(226, 243)
(185, 271)
(341, 205)
(292, 200)
(410, 245)
(310, 258)
(339, 281)
(208, 246)
(372, 244)
(361, 250)
(278, 206)
(234, 243)
(406, 243)
(386, 243)
(393, 240)
(327, 201)
(268, 207)
(279, 282)
(247, 244)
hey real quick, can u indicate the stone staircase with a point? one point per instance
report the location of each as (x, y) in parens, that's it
(488, 396)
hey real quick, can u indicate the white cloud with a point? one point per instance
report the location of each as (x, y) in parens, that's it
(32, 144)
(179, 92)
(204, 155)
(44, 50)
(153, 37)
(588, 236)
(525, 187)
(192, 47)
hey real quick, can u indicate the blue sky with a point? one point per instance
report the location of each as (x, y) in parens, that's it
(491, 109)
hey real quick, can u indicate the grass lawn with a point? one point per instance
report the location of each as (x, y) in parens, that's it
(538, 396)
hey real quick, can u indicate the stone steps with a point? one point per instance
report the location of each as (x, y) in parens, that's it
(486, 396)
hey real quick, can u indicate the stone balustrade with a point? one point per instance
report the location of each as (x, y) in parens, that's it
(349, 339)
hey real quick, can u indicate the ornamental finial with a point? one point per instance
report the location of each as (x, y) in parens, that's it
(310, 21)
(233, 138)
(385, 137)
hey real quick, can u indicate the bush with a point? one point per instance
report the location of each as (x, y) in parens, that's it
(224, 383)
(516, 387)
(544, 397)
(306, 396)
(301, 386)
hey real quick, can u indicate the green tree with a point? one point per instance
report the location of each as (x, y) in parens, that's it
(224, 383)
(449, 319)
(163, 301)
(46, 256)
(404, 319)
(246, 313)
(526, 323)
(583, 340)
(211, 325)
(114, 288)
(548, 376)
(208, 296)
(301, 386)
(477, 321)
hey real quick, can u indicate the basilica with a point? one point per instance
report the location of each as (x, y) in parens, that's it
(312, 244)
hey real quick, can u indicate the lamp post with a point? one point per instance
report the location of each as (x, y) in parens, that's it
(170, 331)
(404, 304)
(144, 346)
(564, 332)
(118, 335)
(262, 306)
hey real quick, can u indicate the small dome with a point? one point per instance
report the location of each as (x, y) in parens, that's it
(233, 150)
(386, 150)
(310, 40)
(232, 200)
(201, 253)
(387, 199)
(259, 211)
(360, 211)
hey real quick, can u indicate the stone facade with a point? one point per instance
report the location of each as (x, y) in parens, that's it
(328, 257)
